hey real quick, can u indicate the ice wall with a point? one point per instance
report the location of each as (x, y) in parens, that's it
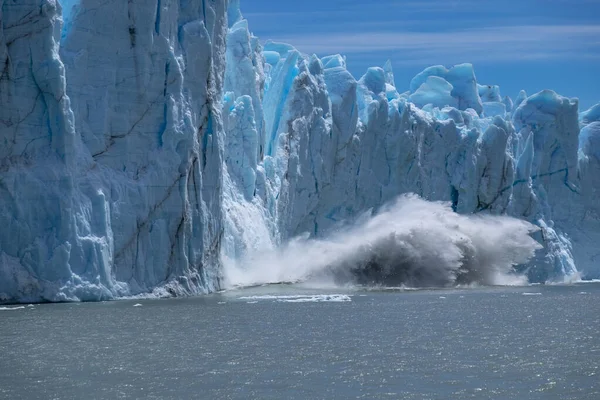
(144, 145)
(336, 146)
(112, 148)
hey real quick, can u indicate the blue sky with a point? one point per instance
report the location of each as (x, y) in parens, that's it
(526, 44)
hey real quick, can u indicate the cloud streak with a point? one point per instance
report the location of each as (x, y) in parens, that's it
(479, 44)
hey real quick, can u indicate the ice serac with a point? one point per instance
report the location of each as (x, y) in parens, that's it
(462, 81)
(112, 148)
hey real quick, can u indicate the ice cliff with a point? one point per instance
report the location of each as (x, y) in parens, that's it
(144, 144)
(111, 143)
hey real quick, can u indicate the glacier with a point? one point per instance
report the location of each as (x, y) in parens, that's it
(146, 147)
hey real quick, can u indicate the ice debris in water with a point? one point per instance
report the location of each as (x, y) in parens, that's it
(316, 298)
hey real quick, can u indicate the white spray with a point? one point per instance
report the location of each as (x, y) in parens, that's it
(410, 242)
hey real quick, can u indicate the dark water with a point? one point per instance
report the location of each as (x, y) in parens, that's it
(539, 342)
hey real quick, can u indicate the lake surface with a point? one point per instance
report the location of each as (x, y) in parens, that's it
(287, 342)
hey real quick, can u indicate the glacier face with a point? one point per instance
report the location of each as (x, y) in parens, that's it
(112, 148)
(144, 145)
(334, 147)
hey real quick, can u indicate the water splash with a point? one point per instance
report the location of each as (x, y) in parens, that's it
(409, 242)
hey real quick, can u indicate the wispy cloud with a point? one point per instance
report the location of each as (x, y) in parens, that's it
(383, 10)
(275, 15)
(480, 44)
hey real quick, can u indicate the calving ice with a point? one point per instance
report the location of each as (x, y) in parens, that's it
(409, 242)
(160, 148)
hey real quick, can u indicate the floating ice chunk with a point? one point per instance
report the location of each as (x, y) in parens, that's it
(323, 298)
(317, 298)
